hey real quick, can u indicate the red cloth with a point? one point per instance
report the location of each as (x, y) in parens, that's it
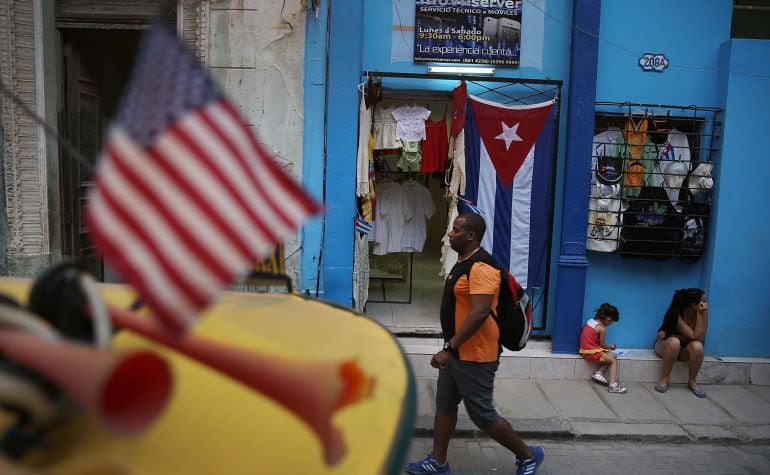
(459, 95)
(435, 147)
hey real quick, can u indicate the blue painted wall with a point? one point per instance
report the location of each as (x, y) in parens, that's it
(329, 164)
(739, 312)
(695, 36)
(313, 145)
(690, 34)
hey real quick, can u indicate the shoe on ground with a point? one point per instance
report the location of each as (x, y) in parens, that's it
(698, 391)
(428, 465)
(616, 389)
(599, 378)
(529, 466)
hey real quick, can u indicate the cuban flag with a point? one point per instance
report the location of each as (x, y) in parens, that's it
(508, 168)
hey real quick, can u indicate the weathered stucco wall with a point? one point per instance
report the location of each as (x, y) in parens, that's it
(26, 239)
(256, 52)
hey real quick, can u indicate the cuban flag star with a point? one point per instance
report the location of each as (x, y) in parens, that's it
(508, 167)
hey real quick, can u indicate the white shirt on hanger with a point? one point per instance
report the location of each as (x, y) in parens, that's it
(410, 122)
(422, 208)
(392, 212)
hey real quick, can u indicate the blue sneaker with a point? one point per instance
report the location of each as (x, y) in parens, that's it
(529, 466)
(426, 466)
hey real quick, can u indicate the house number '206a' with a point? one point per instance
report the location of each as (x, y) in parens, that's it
(653, 62)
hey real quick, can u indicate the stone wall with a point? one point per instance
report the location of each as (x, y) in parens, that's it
(25, 230)
(256, 53)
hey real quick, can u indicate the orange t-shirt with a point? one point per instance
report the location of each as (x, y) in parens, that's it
(483, 346)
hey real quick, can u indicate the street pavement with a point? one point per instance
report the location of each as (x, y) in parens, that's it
(477, 456)
(580, 411)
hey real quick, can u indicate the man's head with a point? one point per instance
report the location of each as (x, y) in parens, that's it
(467, 232)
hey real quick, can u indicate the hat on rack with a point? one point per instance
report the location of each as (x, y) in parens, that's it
(674, 174)
(700, 179)
(609, 170)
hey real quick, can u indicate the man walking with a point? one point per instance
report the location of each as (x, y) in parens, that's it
(470, 357)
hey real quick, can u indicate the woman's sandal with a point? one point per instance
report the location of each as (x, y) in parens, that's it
(599, 378)
(697, 391)
(661, 388)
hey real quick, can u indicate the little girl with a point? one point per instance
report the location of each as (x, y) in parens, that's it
(593, 348)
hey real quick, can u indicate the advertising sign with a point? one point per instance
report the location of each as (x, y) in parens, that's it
(468, 31)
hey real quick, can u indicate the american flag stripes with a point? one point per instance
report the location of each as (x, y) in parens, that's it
(186, 198)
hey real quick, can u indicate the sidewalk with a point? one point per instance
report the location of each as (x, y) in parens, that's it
(578, 409)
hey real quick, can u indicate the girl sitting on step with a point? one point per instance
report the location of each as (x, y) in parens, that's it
(593, 347)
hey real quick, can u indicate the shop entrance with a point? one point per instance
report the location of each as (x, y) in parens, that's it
(405, 288)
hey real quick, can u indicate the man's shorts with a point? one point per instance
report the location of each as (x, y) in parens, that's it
(470, 382)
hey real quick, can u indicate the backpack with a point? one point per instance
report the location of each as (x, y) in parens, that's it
(514, 313)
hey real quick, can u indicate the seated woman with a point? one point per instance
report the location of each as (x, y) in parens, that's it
(682, 335)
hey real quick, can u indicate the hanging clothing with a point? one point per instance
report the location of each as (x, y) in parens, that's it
(448, 255)
(604, 145)
(385, 128)
(637, 173)
(635, 135)
(459, 96)
(392, 212)
(410, 122)
(365, 144)
(676, 149)
(422, 209)
(360, 272)
(435, 147)
(650, 227)
(411, 156)
(603, 223)
(457, 156)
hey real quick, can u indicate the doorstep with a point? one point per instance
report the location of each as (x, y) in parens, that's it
(641, 365)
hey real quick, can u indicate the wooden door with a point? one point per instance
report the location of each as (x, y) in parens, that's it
(81, 125)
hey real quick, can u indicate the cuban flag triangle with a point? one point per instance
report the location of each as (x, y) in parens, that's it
(508, 168)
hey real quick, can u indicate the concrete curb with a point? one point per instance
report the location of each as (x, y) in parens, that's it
(677, 434)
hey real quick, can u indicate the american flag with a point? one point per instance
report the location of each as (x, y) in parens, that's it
(186, 198)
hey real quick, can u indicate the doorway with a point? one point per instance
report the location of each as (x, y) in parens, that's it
(414, 289)
(95, 67)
